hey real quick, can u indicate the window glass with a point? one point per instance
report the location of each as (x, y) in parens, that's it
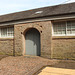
(10, 31)
(3, 32)
(73, 27)
(59, 28)
(64, 28)
(7, 32)
(69, 25)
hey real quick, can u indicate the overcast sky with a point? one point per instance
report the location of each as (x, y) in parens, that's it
(10, 6)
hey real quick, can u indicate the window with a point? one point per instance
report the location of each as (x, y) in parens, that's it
(71, 27)
(38, 12)
(7, 32)
(64, 28)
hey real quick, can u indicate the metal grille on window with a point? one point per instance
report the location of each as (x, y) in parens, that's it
(73, 27)
(59, 28)
(70, 27)
(10, 31)
(64, 28)
(3, 32)
(7, 32)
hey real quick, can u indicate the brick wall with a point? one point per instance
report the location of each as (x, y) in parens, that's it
(63, 48)
(6, 46)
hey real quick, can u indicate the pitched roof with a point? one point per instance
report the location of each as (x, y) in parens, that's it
(40, 12)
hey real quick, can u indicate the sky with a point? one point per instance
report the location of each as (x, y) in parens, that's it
(11, 6)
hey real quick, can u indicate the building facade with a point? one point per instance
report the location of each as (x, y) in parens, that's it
(47, 32)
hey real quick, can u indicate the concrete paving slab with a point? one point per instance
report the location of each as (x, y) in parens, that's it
(57, 71)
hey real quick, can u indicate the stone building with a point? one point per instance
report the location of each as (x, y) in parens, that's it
(47, 32)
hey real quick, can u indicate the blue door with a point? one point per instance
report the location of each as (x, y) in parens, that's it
(32, 42)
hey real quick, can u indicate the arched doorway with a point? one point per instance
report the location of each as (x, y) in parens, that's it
(32, 42)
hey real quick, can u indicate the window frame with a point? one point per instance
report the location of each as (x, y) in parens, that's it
(7, 32)
(65, 31)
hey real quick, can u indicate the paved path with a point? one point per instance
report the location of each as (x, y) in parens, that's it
(29, 65)
(56, 71)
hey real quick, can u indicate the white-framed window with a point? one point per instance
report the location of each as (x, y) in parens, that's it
(6, 32)
(64, 28)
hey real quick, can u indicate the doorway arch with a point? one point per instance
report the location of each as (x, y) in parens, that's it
(32, 42)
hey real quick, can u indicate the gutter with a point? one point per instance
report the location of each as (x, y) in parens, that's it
(36, 20)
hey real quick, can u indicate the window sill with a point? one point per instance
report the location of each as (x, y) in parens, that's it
(7, 38)
(63, 37)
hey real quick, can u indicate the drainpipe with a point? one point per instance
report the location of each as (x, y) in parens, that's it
(14, 44)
